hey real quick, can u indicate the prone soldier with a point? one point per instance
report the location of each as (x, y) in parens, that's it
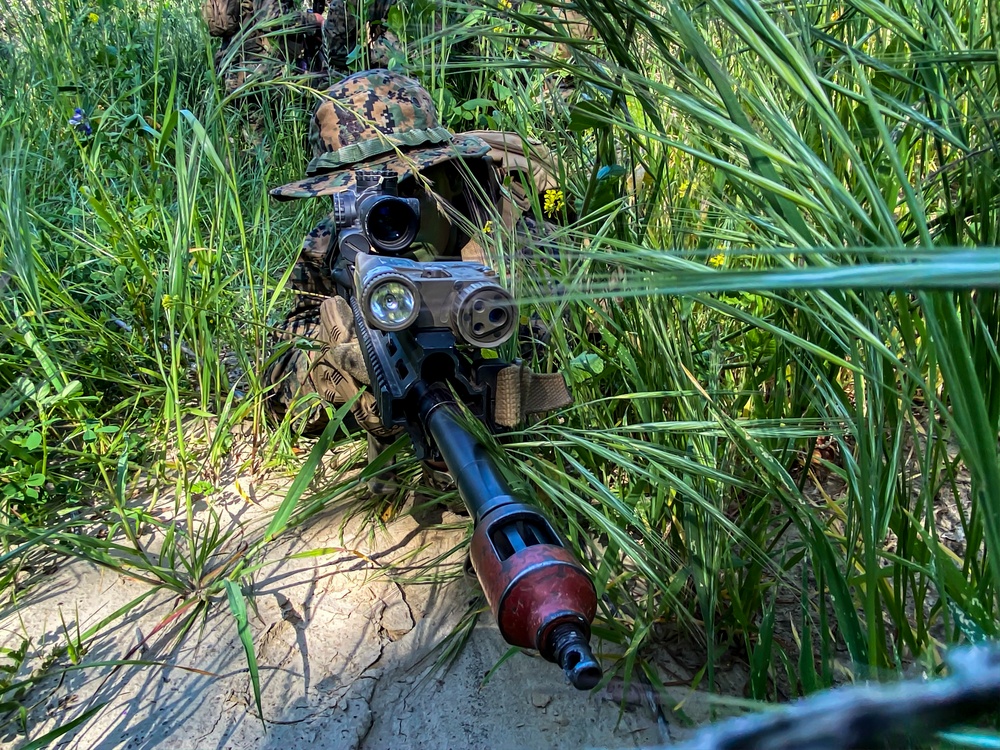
(381, 120)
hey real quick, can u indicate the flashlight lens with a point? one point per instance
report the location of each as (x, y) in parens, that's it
(392, 305)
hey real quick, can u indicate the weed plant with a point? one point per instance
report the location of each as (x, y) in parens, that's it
(778, 309)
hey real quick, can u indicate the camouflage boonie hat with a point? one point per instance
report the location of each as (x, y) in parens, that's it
(381, 120)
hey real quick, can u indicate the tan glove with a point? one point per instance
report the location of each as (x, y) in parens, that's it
(339, 372)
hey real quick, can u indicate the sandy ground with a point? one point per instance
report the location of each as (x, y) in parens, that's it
(346, 660)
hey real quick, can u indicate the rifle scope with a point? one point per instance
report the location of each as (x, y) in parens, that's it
(388, 222)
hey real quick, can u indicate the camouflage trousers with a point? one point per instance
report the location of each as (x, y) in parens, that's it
(351, 24)
(356, 35)
(273, 36)
(291, 391)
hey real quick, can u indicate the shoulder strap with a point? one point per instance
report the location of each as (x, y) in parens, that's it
(513, 154)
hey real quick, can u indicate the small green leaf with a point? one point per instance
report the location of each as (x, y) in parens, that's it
(394, 18)
(585, 366)
(202, 487)
(121, 474)
(476, 104)
(32, 441)
(308, 345)
(238, 606)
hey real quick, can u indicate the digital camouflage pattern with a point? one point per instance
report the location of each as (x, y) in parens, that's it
(223, 17)
(369, 113)
(405, 164)
(357, 33)
(344, 30)
(376, 113)
(262, 37)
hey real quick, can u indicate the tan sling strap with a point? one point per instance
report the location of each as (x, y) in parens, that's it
(521, 392)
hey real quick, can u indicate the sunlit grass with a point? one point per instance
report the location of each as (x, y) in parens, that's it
(785, 237)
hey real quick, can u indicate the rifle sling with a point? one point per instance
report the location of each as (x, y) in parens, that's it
(521, 392)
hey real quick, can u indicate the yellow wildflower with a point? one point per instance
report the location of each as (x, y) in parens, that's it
(504, 4)
(555, 201)
(93, 17)
(488, 229)
(167, 301)
(717, 260)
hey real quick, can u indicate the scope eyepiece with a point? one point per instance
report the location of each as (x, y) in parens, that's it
(389, 223)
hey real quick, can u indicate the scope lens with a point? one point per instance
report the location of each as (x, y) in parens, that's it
(392, 305)
(391, 223)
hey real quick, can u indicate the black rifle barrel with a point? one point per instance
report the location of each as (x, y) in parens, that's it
(479, 482)
(556, 599)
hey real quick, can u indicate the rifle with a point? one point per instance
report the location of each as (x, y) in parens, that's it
(866, 716)
(423, 328)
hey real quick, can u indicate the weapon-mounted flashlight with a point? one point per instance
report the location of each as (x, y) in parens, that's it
(392, 303)
(396, 293)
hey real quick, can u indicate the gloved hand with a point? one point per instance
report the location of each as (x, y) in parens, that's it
(339, 372)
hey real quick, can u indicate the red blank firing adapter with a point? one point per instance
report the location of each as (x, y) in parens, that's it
(540, 595)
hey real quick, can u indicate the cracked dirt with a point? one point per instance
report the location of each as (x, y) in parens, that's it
(347, 657)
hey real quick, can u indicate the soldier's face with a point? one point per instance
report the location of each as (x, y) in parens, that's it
(438, 186)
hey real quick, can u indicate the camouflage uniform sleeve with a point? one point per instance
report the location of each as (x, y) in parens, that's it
(310, 279)
(222, 17)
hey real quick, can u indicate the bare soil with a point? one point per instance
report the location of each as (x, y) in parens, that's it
(347, 655)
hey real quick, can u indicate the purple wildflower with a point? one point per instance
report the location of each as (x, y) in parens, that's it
(80, 122)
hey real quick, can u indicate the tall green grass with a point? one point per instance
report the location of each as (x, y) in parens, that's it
(779, 314)
(834, 164)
